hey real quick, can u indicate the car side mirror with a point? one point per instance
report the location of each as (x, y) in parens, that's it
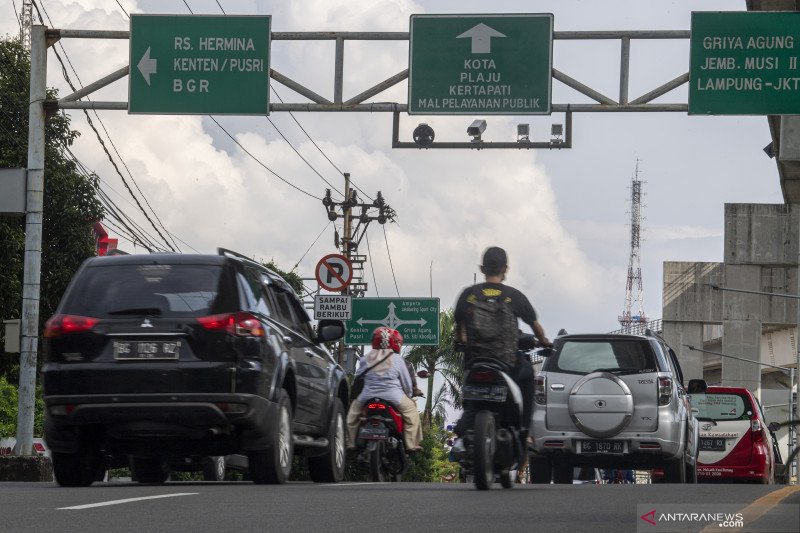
(546, 352)
(774, 426)
(697, 386)
(329, 330)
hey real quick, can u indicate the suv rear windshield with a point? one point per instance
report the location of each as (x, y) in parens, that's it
(619, 356)
(166, 290)
(721, 407)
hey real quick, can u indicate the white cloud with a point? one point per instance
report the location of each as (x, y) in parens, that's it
(560, 214)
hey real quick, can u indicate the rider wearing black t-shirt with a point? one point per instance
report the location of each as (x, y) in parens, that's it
(494, 267)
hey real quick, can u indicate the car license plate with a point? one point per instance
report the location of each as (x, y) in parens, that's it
(603, 446)
(373, 433)
(492, 393)
(146, 350)
(712, 444)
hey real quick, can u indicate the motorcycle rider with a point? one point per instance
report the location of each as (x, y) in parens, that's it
(388, 378)
(495, 267)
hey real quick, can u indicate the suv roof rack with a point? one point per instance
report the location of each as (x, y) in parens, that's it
(225, 251)
(274, 277)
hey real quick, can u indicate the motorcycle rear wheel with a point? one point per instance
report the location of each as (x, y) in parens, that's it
(376, 469)
(506, 480)
(483, 450)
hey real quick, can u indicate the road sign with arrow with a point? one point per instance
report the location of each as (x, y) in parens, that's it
(199, 64)
(417, 319)
(480, 64)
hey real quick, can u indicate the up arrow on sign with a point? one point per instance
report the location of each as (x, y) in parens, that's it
(147, 66)
(481, 36)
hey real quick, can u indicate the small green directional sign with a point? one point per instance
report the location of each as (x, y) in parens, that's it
(417, 319)
(498, 64)
(199, 64)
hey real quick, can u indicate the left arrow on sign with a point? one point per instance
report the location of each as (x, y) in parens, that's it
(147, 66)
(481, 36)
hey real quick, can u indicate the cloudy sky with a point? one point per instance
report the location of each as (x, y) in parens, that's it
(562, 215)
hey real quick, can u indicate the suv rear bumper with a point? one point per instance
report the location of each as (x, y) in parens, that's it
(640, 449)
(156, 417)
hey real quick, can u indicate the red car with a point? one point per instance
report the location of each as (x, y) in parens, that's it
(735, 443)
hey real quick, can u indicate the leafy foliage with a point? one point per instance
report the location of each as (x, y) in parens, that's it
(431, 464)
(447, 362)
(8, 410)
(70, 201)
(292, 278)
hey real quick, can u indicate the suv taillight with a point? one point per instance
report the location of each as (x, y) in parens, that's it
(239, 324)
(540, 389)
(756, 429)
(60, 325)
(664, 390)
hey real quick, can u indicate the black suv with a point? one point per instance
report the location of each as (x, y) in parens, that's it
(169, 359)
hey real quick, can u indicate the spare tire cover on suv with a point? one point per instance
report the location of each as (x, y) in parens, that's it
(601, 404)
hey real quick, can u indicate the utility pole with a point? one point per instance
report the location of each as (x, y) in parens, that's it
(29, 323)
(355, 227)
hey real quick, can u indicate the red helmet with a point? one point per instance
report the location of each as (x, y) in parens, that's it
(387, 338)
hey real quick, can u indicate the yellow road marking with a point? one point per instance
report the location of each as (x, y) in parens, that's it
(758, 508)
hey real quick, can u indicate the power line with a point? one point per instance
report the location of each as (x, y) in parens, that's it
(312, 244)
(123, 9)
(284, 136)
(136, 236)
(299, 154)
(257, 160)
(317, 146)
(97, 134)
(139, 235)
(389, 253)
(371, 265)
(110, 140)
(16, 14)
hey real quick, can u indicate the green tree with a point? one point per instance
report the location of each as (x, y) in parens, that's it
(292, 278)
(442, 359)
(8, 410)
(70, 201)
(431, 464)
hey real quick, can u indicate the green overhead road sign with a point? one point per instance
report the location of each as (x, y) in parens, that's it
(417, 319)
(745, 63)
(480, 64)
(199, 64)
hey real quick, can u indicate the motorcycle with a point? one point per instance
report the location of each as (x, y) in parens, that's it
(493, 445)
(380, 441)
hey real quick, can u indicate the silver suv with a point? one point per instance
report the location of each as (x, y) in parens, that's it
(612, 401)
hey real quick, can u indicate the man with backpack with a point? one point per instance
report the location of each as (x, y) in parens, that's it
(486, 326)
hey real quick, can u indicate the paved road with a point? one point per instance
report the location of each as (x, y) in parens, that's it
(414, 507)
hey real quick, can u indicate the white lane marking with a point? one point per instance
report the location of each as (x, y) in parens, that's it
(128, 500)
(356, 483)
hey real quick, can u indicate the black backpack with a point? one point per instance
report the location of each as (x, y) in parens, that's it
(492, 329)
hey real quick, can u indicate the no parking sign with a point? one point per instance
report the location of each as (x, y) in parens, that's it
(334, 272)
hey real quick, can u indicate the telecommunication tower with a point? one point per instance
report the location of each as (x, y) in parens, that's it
(633, 314)
(25, 22)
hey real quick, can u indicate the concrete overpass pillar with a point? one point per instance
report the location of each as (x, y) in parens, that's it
(741, 328)
(680, 334)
